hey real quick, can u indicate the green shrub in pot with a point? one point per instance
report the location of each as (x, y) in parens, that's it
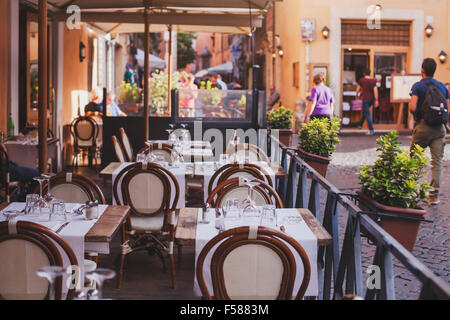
(320, 136)
(280, 118)
(395, 177)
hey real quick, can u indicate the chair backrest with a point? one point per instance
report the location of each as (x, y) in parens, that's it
(25, 247)
(118, 150)
(4, 172)
(231, 170)
(147, 189)
(235, 188)
(85, 131)
(254, 152)
(252, 265)
(74, 188)
(126, 145)
(159, 149)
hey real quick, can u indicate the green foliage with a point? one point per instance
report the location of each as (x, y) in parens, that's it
(210, 95)
(185, 53)
(280, 118)
(320, 136)
(128, 93)
(393, 179)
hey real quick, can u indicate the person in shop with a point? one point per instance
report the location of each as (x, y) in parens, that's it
(321, 100)
(367, 90)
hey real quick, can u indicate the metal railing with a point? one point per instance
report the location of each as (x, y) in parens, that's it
(340, 269)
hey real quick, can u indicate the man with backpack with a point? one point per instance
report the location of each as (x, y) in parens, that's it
(429, 105)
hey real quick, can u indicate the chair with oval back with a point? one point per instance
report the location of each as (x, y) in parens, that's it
(235, 188)
(118, 150)
(147, 189)
(74, 188)
(231, 170)
(85, 132)
(242, 252)
(25, 247)
(254, 152)
(159, 149)
(126, 145)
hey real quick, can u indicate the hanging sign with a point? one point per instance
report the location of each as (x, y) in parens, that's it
(308, 29)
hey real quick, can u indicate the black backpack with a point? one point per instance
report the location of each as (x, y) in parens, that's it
(434, 109)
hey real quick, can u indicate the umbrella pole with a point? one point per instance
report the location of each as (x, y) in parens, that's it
(146, 68)
(43, 86)
(169, 71)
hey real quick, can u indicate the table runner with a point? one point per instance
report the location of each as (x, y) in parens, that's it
(298, 231)
(179, 173)
(207, 169)
(73, 233)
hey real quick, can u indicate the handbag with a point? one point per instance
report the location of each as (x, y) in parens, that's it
(356, 105)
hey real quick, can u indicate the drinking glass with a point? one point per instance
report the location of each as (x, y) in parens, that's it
(11, 214)
(32, 201)
(42, 204)
(141, 157)
(150, 157)
(231, 209)
(99, 275)
(57, 210)
(51, 273)
(176, 154)
(268, 216)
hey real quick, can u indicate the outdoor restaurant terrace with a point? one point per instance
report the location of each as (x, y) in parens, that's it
(185, 193)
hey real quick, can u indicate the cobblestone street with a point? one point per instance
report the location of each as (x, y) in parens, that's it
(434, 238)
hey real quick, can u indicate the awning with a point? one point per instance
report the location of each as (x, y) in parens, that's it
(227, 67)
(155, 62)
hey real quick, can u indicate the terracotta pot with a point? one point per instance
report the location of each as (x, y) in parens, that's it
(130, 107)
(403, 230)
(319, 163)
(285, 136)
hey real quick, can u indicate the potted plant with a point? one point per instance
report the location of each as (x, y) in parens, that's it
(317, 142)
(129, 97)
(281, 119)
(393, 185)
(158, 84)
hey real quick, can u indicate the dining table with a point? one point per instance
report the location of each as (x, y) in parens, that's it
(305, 228)
(83, 236)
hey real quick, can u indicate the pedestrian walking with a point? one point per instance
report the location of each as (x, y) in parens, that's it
(321, 100)
(367, 88)
(429, 105)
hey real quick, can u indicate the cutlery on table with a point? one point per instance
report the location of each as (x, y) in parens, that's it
(62, 227)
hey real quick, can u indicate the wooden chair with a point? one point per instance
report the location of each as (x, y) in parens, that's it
(236, 189)
(85, 132)
(74, 188)
(241, 254)
(128, 149)
(147, 189)
(25, 247)
(159, 149)
(118, 150)
(231, 170)
(255, 153)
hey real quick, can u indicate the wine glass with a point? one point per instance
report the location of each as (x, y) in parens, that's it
(32, 200)
(41, 201)
(51, 273)
(249, 206)
(99, 275)
(47, 176)
(176, 154)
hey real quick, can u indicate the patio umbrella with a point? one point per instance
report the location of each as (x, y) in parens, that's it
(155, 62)
(227, 67)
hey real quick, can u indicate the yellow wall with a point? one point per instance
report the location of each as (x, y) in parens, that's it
(4, 63)
(288, 14)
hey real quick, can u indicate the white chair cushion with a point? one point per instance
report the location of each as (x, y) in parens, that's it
(152, 223)
(20, 261)
(146, 192)
(70, 193)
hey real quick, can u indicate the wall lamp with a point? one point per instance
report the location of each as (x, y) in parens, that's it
(280, 51)
(429, 30)
(443, 56)
(325, 32)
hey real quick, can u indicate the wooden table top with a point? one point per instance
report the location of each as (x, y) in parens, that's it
(187, 227)
(106, 227)
(108, 171)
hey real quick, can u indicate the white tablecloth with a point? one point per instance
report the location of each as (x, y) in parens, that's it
(179, 173)
(207, 169)
(73, 233)
(298, 231)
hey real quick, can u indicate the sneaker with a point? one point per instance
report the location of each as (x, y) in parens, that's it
(433, 200)
(370, 133)
(359, 127)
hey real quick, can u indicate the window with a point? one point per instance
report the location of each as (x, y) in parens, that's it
(392, 33)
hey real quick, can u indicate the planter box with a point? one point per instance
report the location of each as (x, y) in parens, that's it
(319, 163)
(129, 107)
(403, 230)
(284, 135)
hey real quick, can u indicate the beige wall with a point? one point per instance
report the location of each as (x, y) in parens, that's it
(4, 63)
(287, 25)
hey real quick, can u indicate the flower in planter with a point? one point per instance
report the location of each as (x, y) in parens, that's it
(320, 136)
(128, 93)
(280, 118)
(394, 178)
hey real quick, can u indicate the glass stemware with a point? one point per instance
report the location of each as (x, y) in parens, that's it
(176, 154)
(42, 204)
(47, 177)
(32, 201)
(51, 273)
(249, 205)
(99, 275)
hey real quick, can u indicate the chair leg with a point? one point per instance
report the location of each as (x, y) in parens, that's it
(180, 254)
(120, 272)
(172, 270)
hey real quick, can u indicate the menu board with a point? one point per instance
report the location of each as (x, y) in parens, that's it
(401, 86)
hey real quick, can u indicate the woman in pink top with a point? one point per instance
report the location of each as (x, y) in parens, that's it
(321, 100)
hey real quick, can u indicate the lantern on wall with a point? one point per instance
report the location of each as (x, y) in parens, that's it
(442, 57)
(429, 30)
(325, 32)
